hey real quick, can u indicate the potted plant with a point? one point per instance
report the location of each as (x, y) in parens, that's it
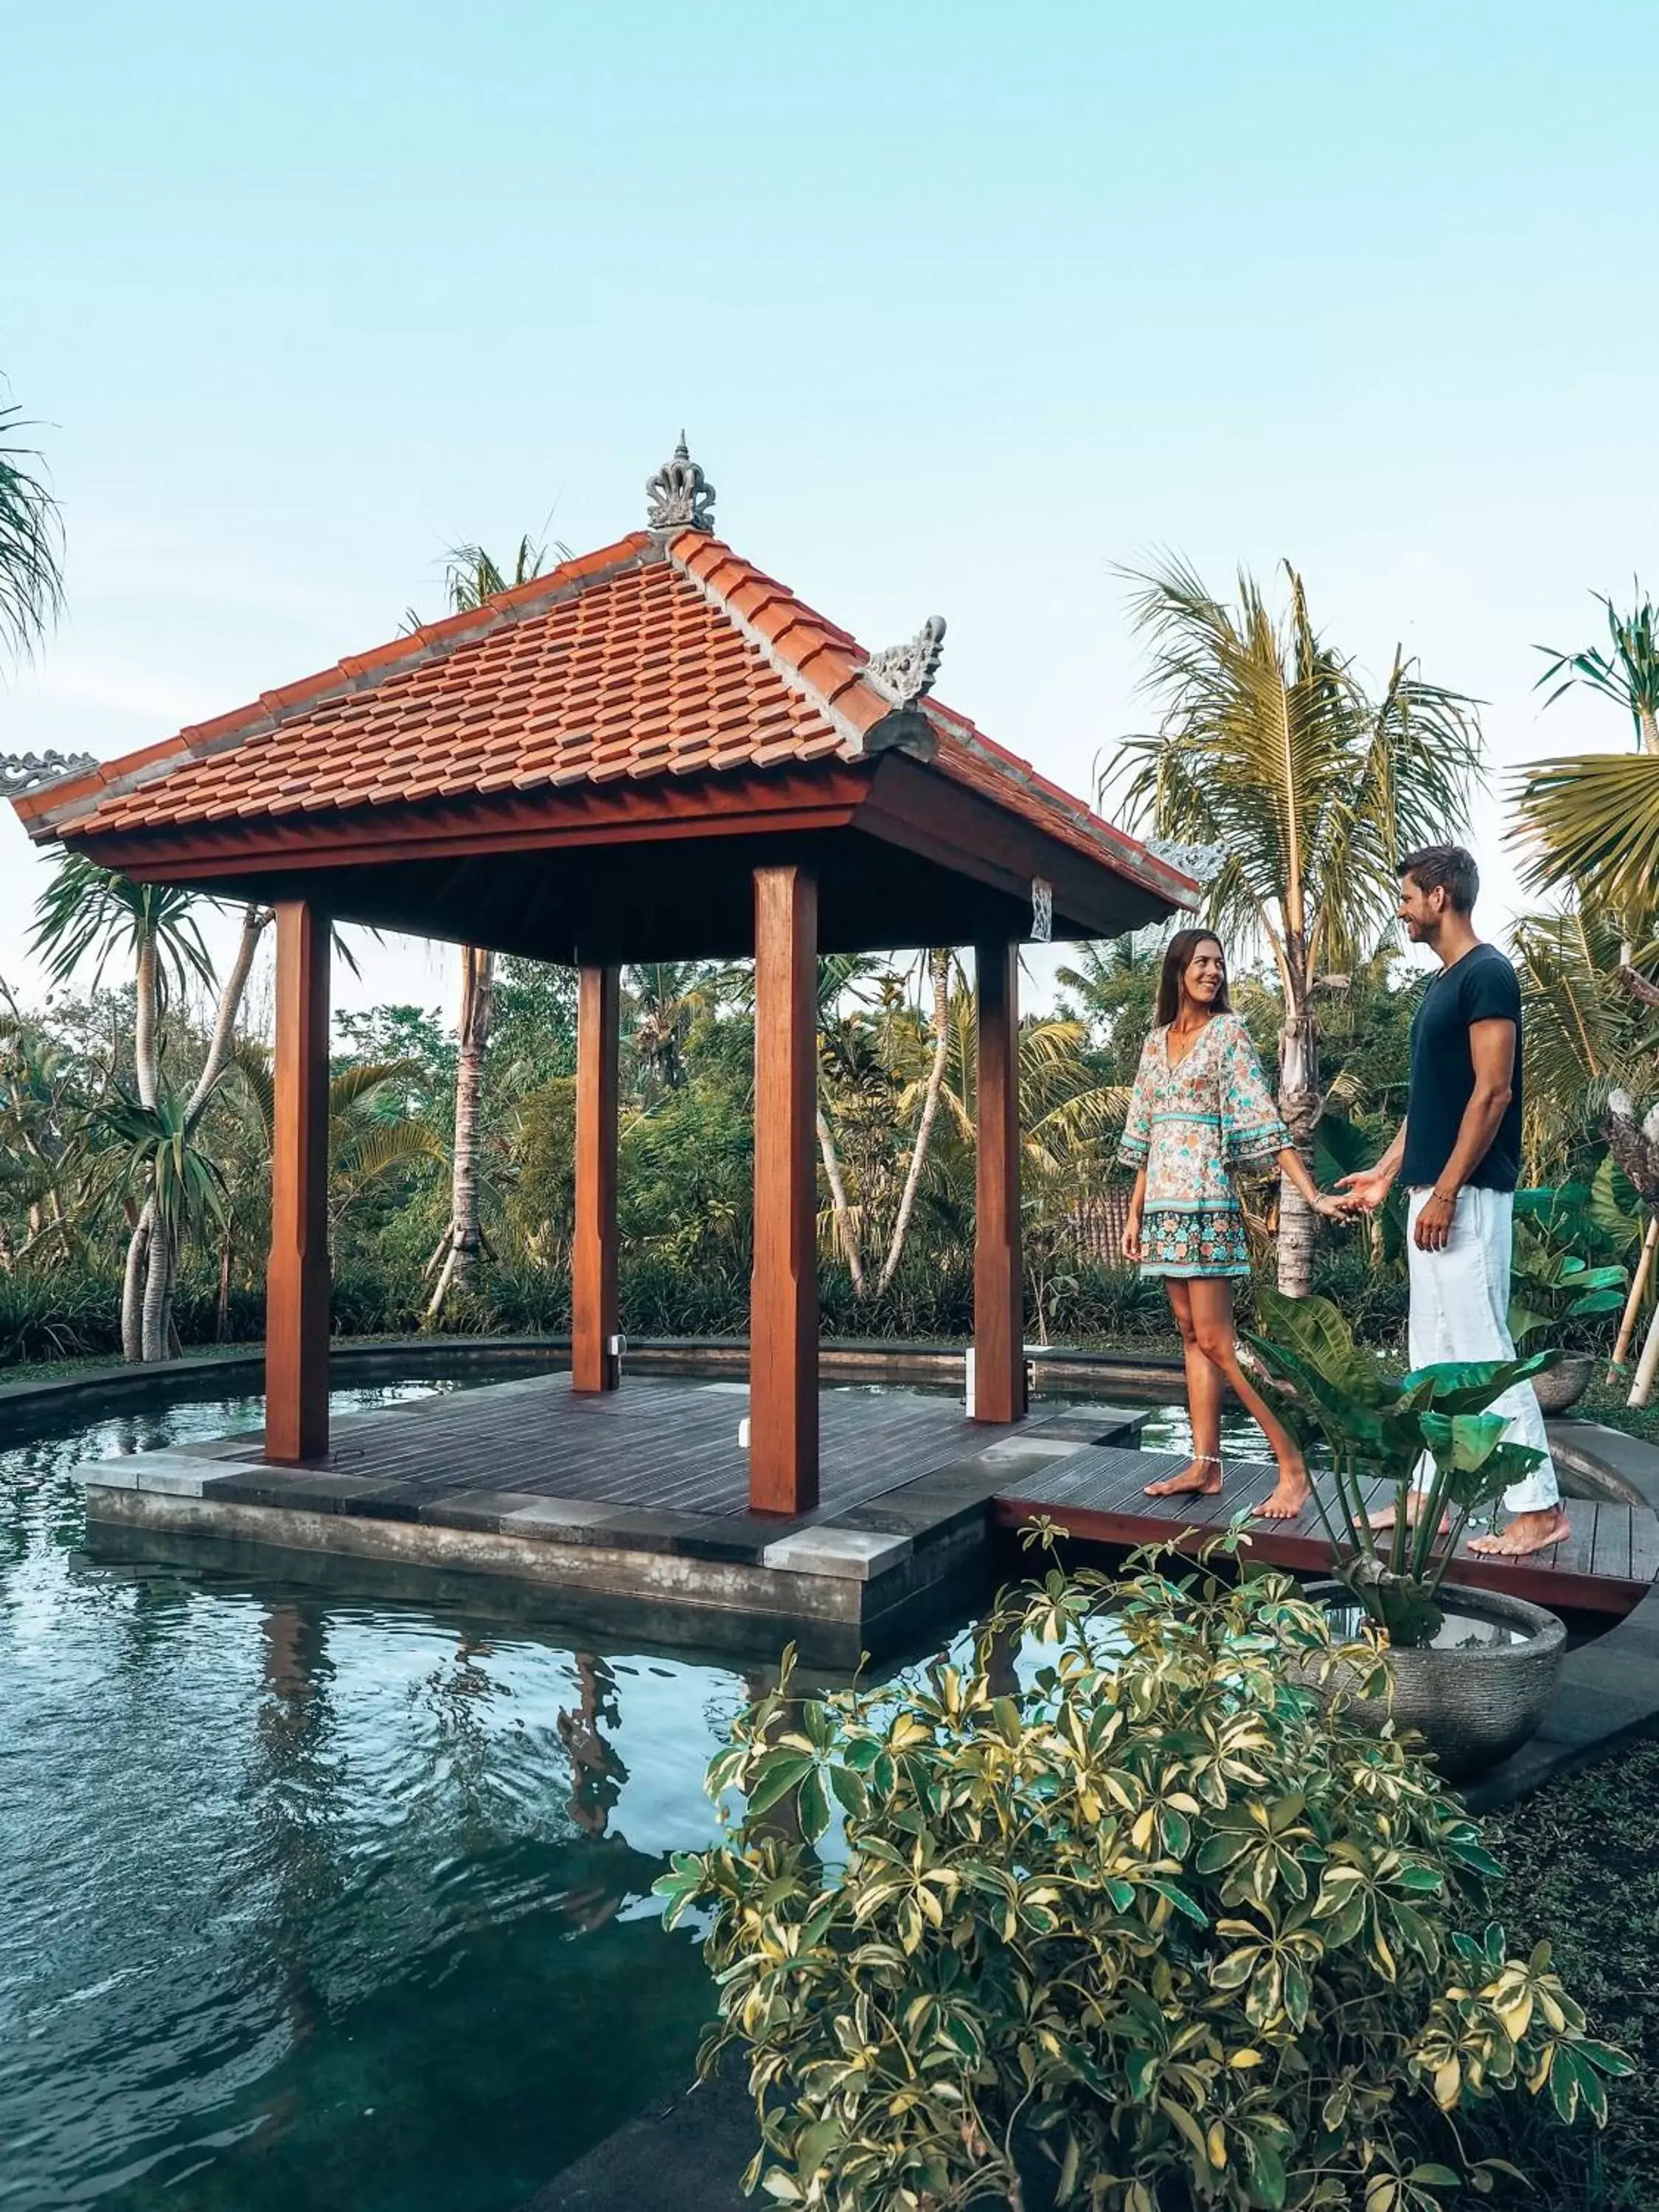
(1472, 1670)
(1555, 1290)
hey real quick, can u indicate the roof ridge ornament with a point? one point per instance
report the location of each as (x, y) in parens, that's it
(679, 495)
(1202, 863)
(904, 673)
(21, 772)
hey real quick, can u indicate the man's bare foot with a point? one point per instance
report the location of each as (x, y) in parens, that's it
(1381, 1521)
(1290, 1494)
(1527, 1533)
(1201, 1479)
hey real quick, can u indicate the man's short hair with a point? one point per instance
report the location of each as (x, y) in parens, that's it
(1446, 868)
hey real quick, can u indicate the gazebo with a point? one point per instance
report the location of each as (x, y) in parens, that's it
(651, 752)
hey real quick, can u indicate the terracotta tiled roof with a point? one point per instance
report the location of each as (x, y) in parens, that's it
(646, 659)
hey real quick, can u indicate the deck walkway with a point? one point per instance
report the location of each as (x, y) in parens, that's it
(1097, 1494)
(641, 1495)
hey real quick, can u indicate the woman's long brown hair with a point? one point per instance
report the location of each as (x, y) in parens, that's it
(1178, 959)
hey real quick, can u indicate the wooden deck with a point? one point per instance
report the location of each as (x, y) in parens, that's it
(1099, 1495)
(645, 1490)
(656, 1445)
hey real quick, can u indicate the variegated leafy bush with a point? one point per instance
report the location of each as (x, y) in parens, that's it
(1160, 1930)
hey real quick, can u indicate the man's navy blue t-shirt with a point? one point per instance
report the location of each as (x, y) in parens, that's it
(1478, 987)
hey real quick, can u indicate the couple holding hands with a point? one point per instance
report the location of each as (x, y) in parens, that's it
(1201, 1109)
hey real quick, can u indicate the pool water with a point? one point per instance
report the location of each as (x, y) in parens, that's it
(1170, 1430)
(305, 1902)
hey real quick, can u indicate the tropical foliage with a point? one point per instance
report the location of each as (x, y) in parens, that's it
(1163, 1925)
(31, 541)
(1374, 1423)
(1592, 820)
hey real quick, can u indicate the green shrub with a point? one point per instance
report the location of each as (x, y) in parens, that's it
(1168, 1929)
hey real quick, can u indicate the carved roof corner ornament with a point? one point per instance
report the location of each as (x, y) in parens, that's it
(1043, 911)
(21, 772)
(904, 673)
(679, 496)
(1203, 863)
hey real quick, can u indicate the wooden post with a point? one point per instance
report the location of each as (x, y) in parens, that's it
(998, 1288)
(783, 1304)
(297, 1283)
(594, 1363)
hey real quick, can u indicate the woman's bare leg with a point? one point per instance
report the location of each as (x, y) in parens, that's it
(1211, 1301)
(1201, 1477)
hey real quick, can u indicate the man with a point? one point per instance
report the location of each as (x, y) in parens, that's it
(1459, 1153)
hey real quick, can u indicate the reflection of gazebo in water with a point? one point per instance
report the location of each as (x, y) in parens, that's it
(653, 752)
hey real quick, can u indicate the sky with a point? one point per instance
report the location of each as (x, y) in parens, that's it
(963, 308)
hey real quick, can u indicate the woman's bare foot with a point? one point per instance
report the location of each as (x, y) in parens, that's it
(1201, 1479)
(1527, 1533)
(1381, 1521)
(1290, 1494)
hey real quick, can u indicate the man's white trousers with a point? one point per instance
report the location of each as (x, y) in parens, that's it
(1459, 1308)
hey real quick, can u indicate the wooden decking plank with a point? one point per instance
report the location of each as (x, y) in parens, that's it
(1643, 1544)
(1611, 1555)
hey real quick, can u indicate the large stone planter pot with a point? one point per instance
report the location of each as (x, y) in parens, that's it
(1565, 1383)
(1481, 1690)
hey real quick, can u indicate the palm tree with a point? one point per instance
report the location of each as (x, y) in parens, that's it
(1586, 1038)
(938, 965)
(370, 1130)
(1592, 820)
(89, 912)
(30, 543)
(1270, 748)
(471, 579)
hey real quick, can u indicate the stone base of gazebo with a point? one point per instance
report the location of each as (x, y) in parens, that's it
(625, 1510)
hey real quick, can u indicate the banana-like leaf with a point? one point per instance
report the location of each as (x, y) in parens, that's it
(1524, 1321)
(1469, 1386)
(1615, 1206)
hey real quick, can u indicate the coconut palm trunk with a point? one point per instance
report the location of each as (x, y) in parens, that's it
(132, 1283)
(1299, 1104)
(843, 1212)
(940, 963)
(459, 1246)
(141, 1247)
(157, 1339)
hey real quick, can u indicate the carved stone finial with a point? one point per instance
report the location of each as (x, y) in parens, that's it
(21, 772)
(680, 496)
(1203, 863)
(904, 673)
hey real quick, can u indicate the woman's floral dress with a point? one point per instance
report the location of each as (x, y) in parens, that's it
(1190, 1126)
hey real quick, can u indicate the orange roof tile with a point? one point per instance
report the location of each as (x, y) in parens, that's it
(663, 655)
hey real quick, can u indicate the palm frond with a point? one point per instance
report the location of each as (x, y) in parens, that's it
(31, 542)
(1591, 820)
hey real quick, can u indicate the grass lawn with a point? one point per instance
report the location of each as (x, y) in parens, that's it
(1583, 1857)
(1599, 1403)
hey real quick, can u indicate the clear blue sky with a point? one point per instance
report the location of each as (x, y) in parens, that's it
(960, 305)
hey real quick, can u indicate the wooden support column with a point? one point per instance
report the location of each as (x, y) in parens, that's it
(783, 1302)
(594, 1365)
(297, 1282)
(998, 1288)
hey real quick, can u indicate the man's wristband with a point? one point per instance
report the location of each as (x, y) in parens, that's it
(1446, 1197)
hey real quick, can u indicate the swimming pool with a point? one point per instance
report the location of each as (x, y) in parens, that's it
(309, 1902)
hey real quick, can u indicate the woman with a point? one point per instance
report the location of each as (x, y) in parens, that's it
(1201, 1108)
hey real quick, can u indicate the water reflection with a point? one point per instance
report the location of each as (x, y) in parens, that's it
(318, 1902)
